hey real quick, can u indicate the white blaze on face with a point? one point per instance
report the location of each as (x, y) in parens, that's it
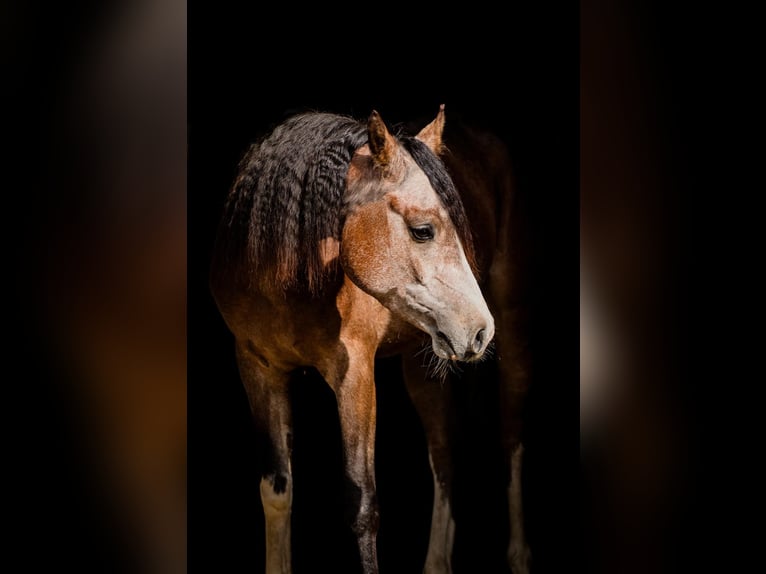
(465, 308)
(474, 295)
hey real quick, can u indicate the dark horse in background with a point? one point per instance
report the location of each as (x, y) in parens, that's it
(340, 243)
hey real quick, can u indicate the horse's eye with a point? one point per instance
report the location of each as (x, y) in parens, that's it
(422, 233)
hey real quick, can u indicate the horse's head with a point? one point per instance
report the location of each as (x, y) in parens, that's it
(405, 239)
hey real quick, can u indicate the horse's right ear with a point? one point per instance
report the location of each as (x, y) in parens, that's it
(431, 135)
(382, 143)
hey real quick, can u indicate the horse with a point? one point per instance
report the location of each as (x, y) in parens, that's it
(341, 242)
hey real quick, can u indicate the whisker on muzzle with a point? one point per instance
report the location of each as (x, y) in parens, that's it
(426, 346)
(489, 351)
(439, 368)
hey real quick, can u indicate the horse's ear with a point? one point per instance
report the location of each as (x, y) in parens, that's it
(382, 143)
(431, 135)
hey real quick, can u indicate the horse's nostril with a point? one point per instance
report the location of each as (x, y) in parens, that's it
(478, 341)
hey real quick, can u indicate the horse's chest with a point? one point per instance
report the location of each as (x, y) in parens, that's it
(400, 337)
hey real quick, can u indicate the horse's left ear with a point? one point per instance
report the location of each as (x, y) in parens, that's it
(383, 146)
(431, 135)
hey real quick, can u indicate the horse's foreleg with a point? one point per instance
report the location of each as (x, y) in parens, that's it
(514, 375)
(431, 400)
(267, 393)
(354, 385)
(519, 557)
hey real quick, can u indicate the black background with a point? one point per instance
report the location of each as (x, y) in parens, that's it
(516, 74)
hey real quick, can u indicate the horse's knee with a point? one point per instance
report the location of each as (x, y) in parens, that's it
(276, 493)
(368, 517)
(362, 508)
